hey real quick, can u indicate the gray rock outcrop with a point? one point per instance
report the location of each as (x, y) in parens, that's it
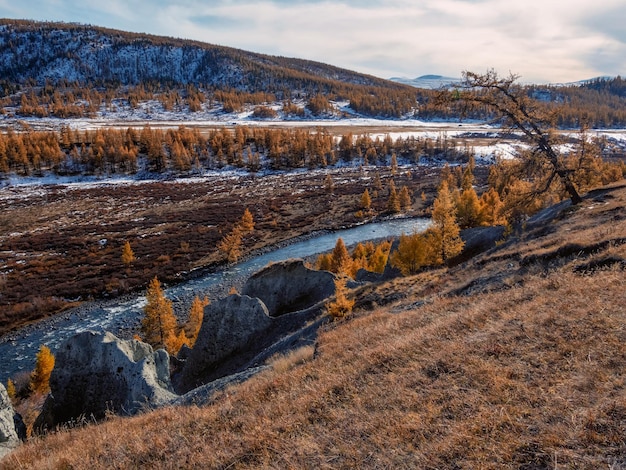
(230, 325)
(477, 240)
(96, 373)
(8, 436)
(289, 286)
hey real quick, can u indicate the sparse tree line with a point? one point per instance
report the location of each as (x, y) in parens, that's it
(109, 151)
(597, 104)
(600, 104)
(71, 100)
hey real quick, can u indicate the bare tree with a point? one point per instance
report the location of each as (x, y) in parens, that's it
(516, 110)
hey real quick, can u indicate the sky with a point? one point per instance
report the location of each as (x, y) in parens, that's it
(542, 41)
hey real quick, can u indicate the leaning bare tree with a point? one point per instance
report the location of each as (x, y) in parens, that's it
(513, 107)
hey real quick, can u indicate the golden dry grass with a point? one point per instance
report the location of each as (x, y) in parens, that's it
(525, 370)
(529, 376)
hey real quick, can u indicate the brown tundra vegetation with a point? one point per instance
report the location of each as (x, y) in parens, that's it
(513, 359)
(60, 245)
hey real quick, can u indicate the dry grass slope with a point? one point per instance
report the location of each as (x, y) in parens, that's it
(497, 363)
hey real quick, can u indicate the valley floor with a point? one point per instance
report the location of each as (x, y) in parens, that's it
(513, 359)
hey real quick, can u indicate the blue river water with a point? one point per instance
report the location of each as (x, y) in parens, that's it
(18, 349)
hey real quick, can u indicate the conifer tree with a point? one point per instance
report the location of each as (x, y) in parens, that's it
(393, 203)
(341, 261)
(324, 262)
(175, 342)
(159, 323)
(359, 258)
(405, 198)
(40, 377)
(414, 252)
(196, 314)
(492, 208)
(394, 163)
(469, 209)
(366, 200)
(230, 245)
(378, 259)
(517, 109)
(445, 225)
(378, 184)
(341, 306)
(247, 222)
(127, 254)
(468, 174)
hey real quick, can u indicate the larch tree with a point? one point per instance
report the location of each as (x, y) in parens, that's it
(158, 325)
(324, 262)
(414, 252)
(341, 261)
(247, 221)
(517, 110)
(40, 377)
(469, 209)
(393, 203)
(196, 314)
(378, 259)
(127, 254)
(341, 306)
(366, 200)
(378, 184)
(230, 245)
(492, 208)
(394, 164)
(445, 225)
(405, 198)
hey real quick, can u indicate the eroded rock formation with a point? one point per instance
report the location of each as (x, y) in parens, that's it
(8, 436)
(230, 325)
(96, 373)
(289, 286)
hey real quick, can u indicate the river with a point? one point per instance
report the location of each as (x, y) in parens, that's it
(18, 348)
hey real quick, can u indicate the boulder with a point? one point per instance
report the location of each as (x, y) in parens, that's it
(96, 373)
(289, 286)
(230, 325)
(8, 435)
(477, 240)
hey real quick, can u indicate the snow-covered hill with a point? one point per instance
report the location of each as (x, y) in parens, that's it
(31, 51)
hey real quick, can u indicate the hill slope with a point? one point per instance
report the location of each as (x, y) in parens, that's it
(55, 52)
(514, 359)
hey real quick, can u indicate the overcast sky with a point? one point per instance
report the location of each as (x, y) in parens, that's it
(540, 40)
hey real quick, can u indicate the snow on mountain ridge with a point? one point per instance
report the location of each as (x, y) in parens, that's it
(429, 82)
(47, 51)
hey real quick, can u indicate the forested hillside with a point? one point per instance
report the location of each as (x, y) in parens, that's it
(69, 70)
(67, 59)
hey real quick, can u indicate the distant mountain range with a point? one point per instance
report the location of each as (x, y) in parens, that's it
(433, 82)
(428, 82)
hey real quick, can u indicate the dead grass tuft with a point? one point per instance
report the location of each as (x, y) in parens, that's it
(285, 362)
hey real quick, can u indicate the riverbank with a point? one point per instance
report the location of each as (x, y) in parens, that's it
(121, 315)
(60, 244)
